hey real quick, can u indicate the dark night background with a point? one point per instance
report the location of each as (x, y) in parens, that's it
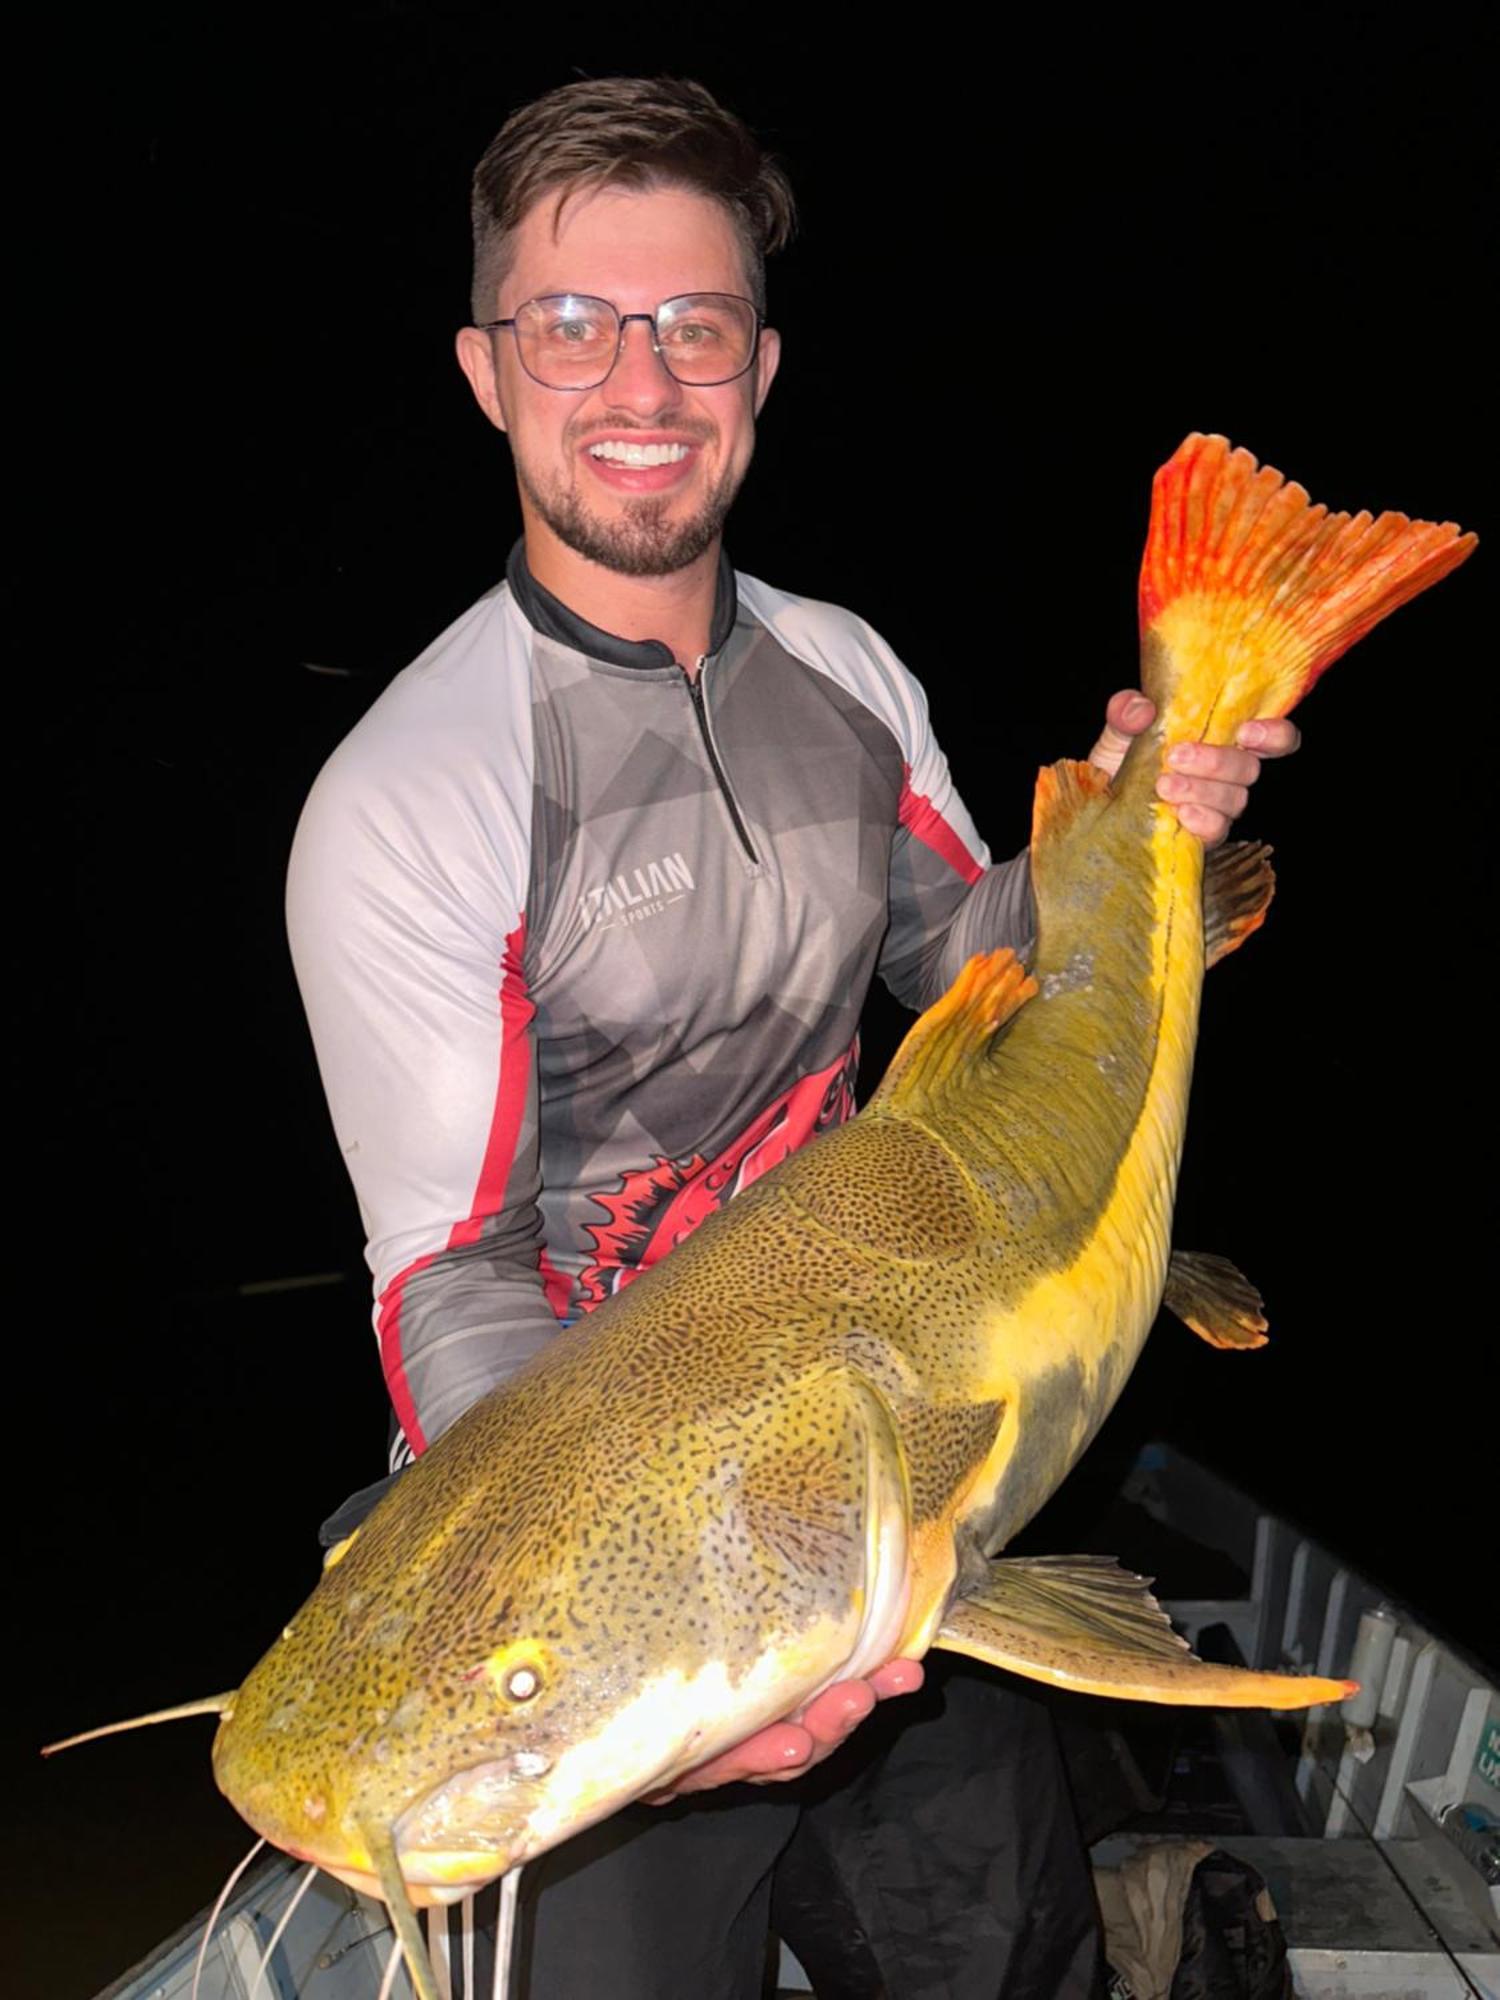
(271, 490)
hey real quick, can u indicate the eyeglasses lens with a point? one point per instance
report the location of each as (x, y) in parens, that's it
(570, 342)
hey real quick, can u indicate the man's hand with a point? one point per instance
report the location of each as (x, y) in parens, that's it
(787, 1749)
(1208, 787)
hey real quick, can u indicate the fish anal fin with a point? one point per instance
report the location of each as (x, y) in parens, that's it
(382, 1850)
(955, 1030)
(1083, 1622)
(1238, 884)
(1215, 1299)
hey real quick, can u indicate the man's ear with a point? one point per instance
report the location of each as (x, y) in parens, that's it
(767, 361)
(476, 357)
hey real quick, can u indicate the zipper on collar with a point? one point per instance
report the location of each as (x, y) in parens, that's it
(700, 709)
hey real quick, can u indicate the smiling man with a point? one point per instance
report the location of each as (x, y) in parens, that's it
(584, 913)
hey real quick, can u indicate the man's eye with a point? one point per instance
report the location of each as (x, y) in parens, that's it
(574, 332)
(694, 333)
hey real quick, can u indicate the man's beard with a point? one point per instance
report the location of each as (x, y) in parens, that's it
(643, 540)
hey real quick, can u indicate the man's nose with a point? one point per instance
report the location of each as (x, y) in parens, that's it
(640, 380)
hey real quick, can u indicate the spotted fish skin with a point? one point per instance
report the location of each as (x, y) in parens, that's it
(784, 1454)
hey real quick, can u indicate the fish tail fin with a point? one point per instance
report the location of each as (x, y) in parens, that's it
(1249, 592)
(210, 1704)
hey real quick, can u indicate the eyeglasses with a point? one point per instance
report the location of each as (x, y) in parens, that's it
(569, 341)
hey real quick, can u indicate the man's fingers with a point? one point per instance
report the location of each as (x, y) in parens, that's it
(897, 1677)
(1211, 827)
(1270, 736)
(1127, 714)
(1227, 800)
(830, 1716)
(786, 1749)
(780, 1751)
(1221, 761)
(1207, 784)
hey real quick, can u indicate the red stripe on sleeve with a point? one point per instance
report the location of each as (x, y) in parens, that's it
(392, 1361)
(924, 822)
(517, 1010)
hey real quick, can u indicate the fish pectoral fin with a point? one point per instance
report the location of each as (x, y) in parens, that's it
(1215, 1299)
(1083, 1622)
(381, 1843)
(1238, 884)
(954, 1030)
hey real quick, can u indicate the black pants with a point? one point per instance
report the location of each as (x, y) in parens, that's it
(936, 1856)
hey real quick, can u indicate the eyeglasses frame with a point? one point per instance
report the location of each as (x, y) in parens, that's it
(582, 388)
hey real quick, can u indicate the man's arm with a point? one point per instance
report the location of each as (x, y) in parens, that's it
(408, 950)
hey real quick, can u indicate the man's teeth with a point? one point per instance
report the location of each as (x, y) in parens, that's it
(638, 454)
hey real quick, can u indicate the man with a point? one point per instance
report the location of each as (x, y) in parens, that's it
(678, 819)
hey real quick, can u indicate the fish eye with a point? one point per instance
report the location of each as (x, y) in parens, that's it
(522, 1683)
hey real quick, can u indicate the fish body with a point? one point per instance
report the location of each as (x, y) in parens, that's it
(792, 1450)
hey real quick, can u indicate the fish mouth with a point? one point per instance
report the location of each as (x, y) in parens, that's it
(469, 1829)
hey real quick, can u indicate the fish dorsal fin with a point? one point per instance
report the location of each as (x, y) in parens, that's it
(1215, 1299)
(210, 1704)
(1085, 1623)
(382, 1848)
(1068, 794)
(954, 1031)
(1238, 885)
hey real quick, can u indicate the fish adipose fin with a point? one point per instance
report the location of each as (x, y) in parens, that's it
(382, 1847)
(1248, 591)
(1238, 884)
(955, 1031)
(1217, 1301)
(1084, 1623)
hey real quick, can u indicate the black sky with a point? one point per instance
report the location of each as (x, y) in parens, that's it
(264, 462)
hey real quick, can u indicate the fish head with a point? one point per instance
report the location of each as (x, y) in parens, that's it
(473, 1766)
(478, 1749)
(539, 1625)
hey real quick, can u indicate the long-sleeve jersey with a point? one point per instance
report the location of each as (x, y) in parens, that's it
(584, 941)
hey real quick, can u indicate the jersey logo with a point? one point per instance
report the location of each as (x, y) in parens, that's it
(653, 1208)
(636, 893)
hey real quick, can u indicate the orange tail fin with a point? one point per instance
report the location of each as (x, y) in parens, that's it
(1248, 592)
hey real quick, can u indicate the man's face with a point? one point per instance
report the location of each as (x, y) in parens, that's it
(634, 249)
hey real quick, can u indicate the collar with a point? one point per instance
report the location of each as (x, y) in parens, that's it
(554, 620)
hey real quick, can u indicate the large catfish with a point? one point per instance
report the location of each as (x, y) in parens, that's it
(794, 1449)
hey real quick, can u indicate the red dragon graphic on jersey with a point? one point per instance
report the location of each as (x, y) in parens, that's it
(655, 1207)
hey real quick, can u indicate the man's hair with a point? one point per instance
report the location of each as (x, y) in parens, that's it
(625, 132)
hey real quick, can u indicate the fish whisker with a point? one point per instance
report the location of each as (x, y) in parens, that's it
(505, 1933)
(440, 1950)
(215, 1913)
(286, 1917)
(397, 1958)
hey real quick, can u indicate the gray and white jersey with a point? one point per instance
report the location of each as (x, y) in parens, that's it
(583, 944)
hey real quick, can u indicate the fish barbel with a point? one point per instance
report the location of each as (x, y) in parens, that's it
(793, 1450)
